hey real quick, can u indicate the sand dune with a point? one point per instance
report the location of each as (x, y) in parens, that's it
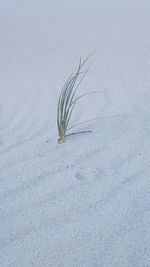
(85, 202)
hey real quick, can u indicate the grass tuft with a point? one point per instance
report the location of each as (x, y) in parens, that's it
(68, 99)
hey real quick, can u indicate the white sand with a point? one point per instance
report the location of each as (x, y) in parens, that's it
(85, 203)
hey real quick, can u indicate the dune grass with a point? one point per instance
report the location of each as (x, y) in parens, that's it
(68, 99)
